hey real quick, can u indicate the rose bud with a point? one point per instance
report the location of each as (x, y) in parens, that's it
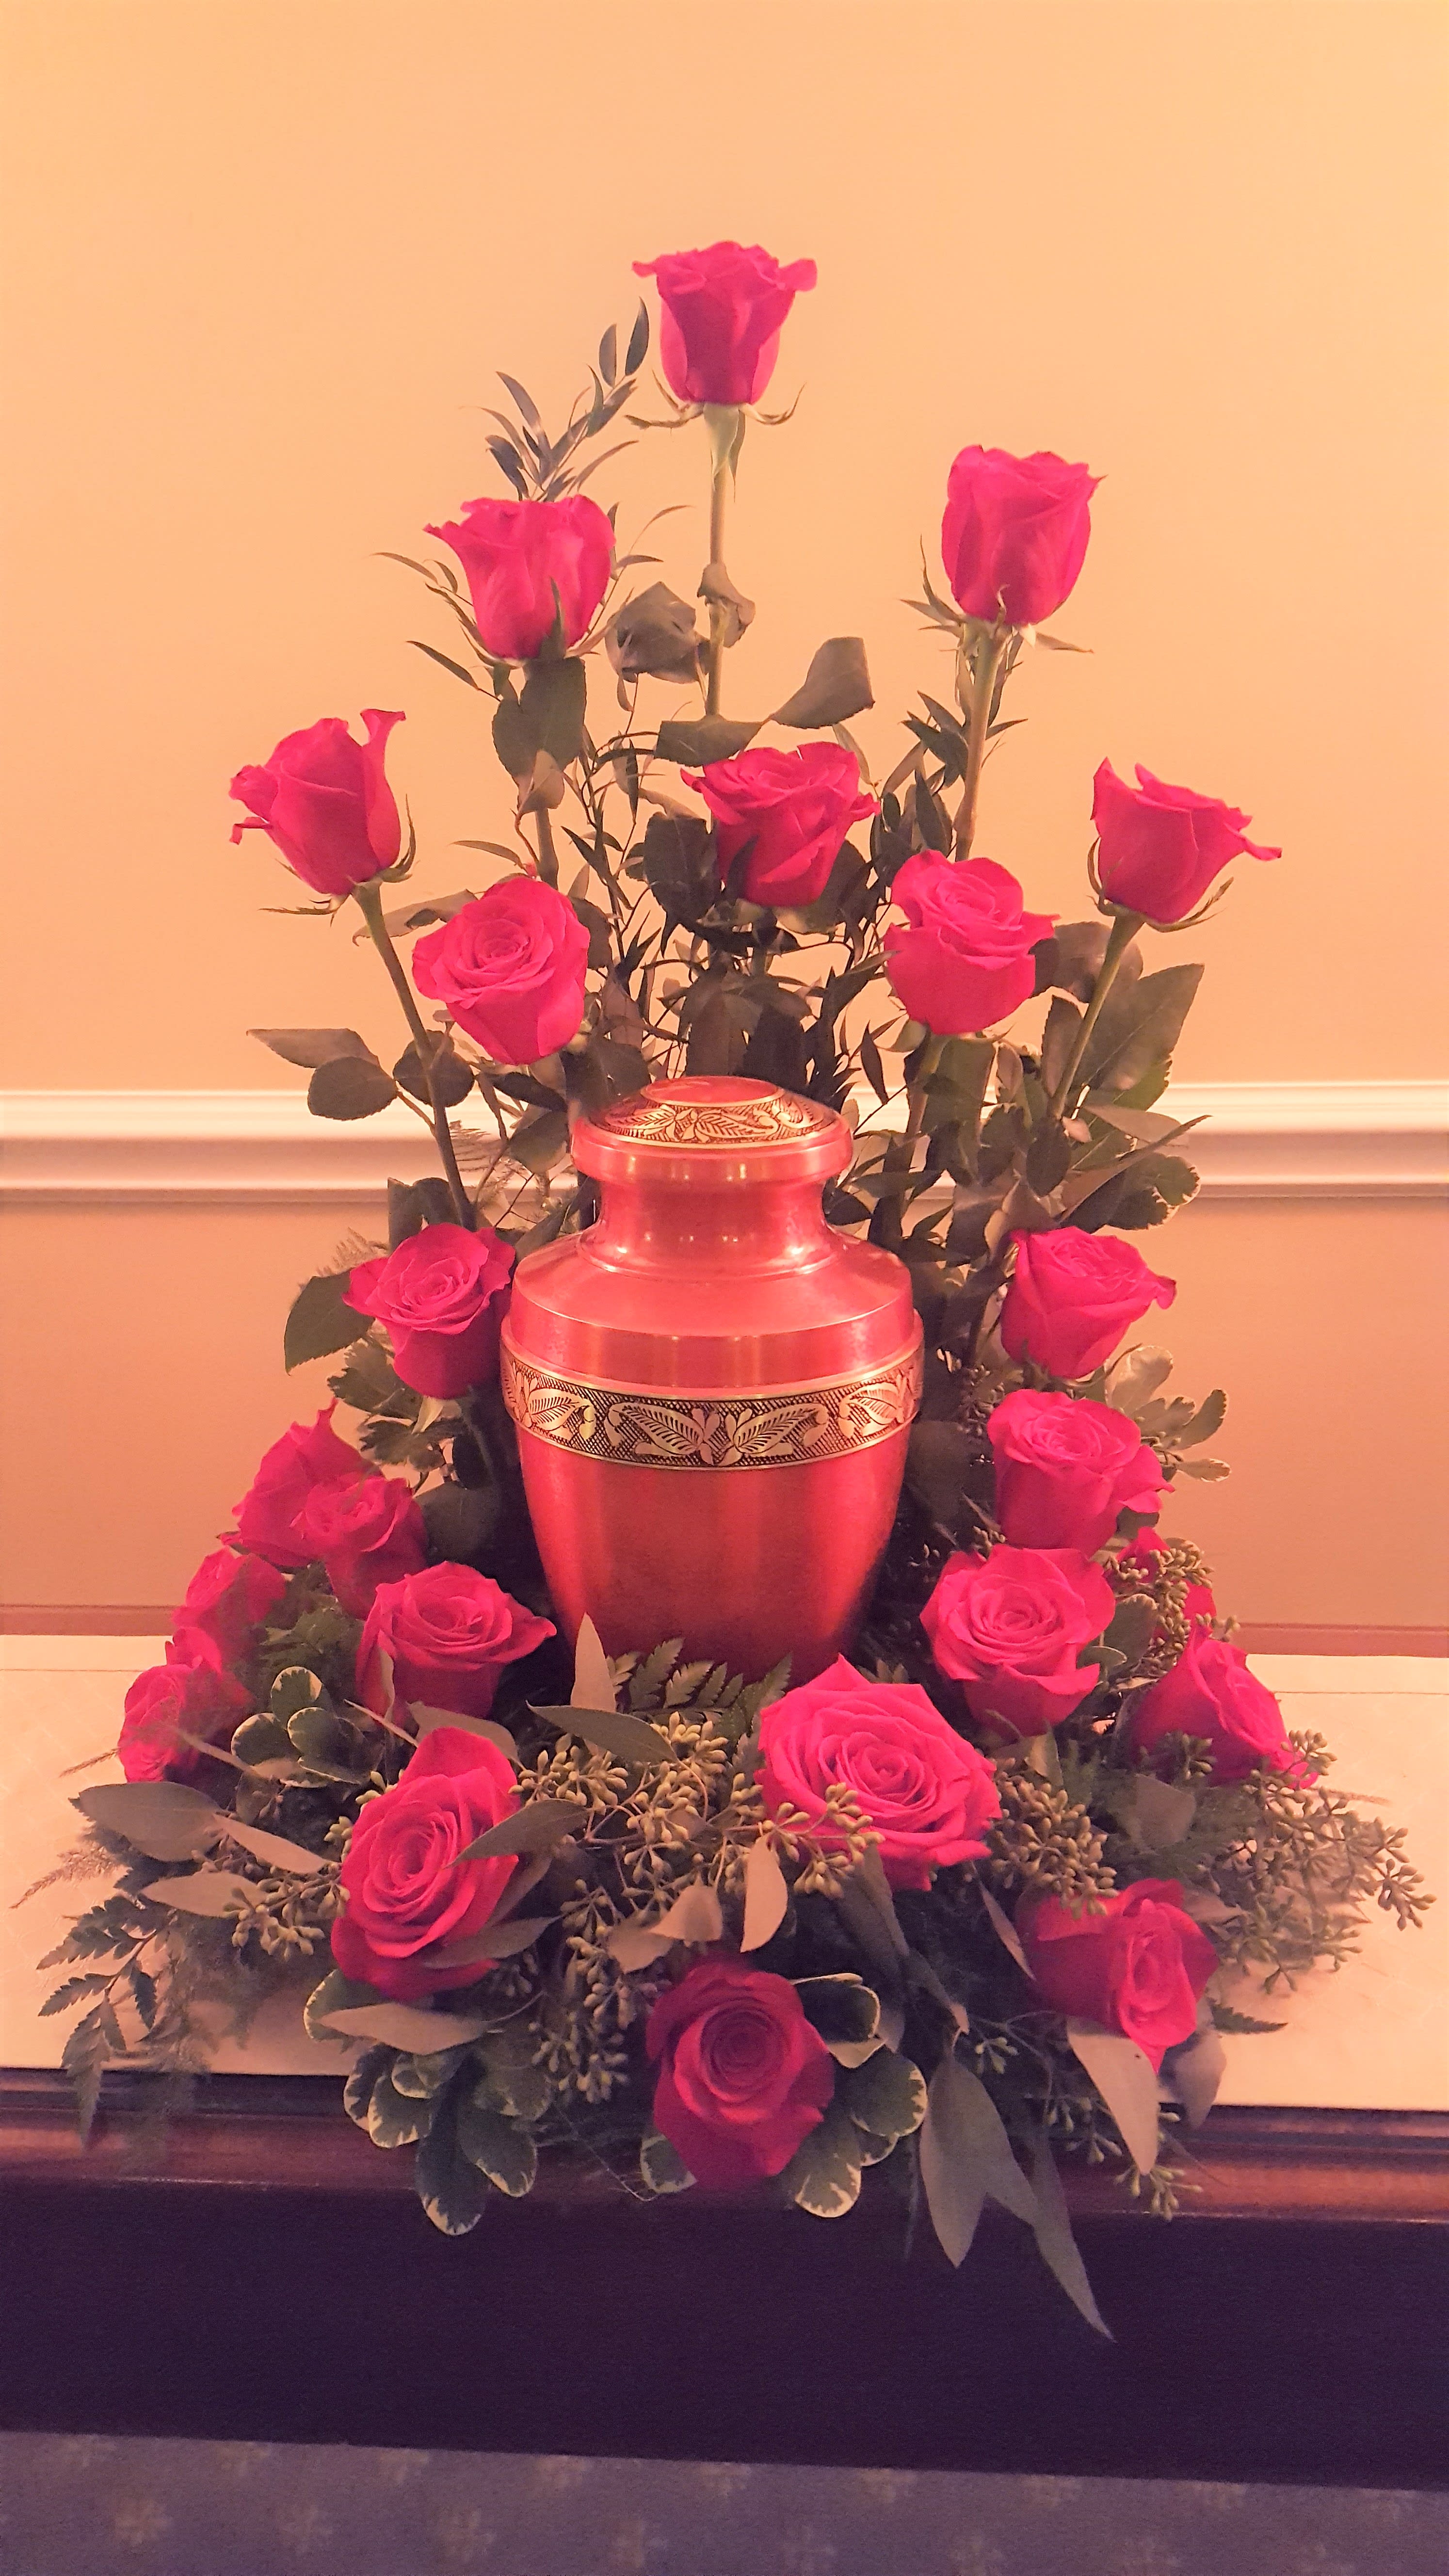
(1136, 1965)
(928, 1794)
(326, 803)
(721, 314)
(517, 555)
(966, 958)
(1159, 847)
(1066, 1468)
(1211, 1693)
(450, 1632)
(442, 1296)
(795, 807)
(743, 2076)
(1008, 1627)
(408, 1893)
(269, 1515)
(190, 1690)
(1072, 1296)
(1014, 536)
(366, 1534)
(228, 1599)
(510, 969)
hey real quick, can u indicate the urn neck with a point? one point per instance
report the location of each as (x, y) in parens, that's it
(735, 1226)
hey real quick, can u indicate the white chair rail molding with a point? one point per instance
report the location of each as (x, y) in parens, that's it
(1290, 1140)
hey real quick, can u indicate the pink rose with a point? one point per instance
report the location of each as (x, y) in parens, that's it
(795, 806)
(1136, 1965)
(442, 1295)
(743, 2076)
(449, 1632)
(1072, 1296)
(517, 555)
(1015, 533)
(408, 1893)
(366, 1534)
(928, 1794)
(1210, 1692)
(1008, 1627)
(189, 1690)
(722, 311)
(1159, 847)
(269, 1515)
(966, 958)
(227, 1600)
(510, 969)
(1140, 1559)
(1065, 1468)
(326, 802)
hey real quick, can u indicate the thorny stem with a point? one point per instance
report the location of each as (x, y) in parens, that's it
(985, 662)
(427, 1042)
(1124, 930)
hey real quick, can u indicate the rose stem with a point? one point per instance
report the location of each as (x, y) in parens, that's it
(427, 1042)
(1124, 930)
(985, 662)
(722, 449)
(899, 1152)
(547, 852)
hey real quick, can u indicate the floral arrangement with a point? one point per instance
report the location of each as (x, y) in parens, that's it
(979, 1896)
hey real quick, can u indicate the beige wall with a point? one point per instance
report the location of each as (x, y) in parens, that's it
(264, 256)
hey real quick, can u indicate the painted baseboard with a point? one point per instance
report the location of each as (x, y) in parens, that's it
(1286, 1140)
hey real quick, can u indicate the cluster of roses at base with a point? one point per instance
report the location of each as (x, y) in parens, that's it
(743, 2075)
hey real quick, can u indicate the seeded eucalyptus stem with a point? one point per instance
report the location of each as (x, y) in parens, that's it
(984, 664)
(369, 904)
(1124, 930)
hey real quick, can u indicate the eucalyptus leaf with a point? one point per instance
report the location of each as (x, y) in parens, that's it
(535, 1827)
(161, 1818)
(204, 1891)
(766, 1894)
(275, 1849)
(1195, 2071)
(1124, 2077)
(593, 1682)
(427, 1719)
(613, 1730)
(1055, 2241)
(694, 1917)
(407, 2026)
(966, 2159)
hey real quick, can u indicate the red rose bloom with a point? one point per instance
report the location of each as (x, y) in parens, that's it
(227, 1600)
(722, 312)
(449, 1631)
(1141, 1559)
(744, 2077)
(1065, 1468)
(269, 1515)
(1008, 1627)
(442, 1296)
(408, 1894)
(326, 803)
(1014, 536)
(1138, 1965)
(928, 1793)
(1210, 1692)
(1072, 1296)
(1159, 847)
(366, 1534)
(510, 969)
(966, 958)
(517, 555)
(796, 807)
(190, 1689)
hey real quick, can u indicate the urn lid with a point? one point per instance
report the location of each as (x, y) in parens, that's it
(712, 1128)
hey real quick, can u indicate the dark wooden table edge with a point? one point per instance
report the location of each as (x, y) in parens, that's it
(267, 2133)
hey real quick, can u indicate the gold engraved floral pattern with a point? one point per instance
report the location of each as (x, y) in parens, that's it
(632, 1428)
(647, 1119)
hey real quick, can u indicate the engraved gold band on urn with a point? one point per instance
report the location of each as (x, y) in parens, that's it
(756, 1427)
